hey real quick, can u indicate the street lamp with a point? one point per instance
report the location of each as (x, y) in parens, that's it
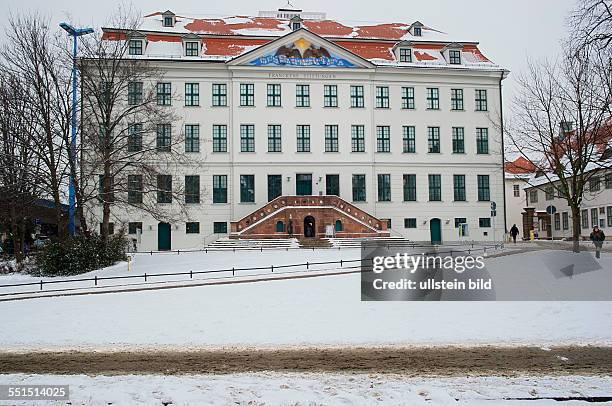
(75, 32)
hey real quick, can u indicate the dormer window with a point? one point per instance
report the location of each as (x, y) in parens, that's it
(454, 57)
(168, 18)
(295, 22)
(135, 47)
(192, 48)
(416, 28)
(405, 55)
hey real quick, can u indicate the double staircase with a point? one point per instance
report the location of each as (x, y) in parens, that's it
(308, 216)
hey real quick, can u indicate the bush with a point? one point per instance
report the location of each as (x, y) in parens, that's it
(78, 255)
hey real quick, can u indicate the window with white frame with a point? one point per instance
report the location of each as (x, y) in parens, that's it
(454, 57)
(135, 47)
(405, 55)
(192, 48)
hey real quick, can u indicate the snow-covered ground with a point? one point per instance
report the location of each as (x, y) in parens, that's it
(185, 262)
(316, 389)
(323, 310)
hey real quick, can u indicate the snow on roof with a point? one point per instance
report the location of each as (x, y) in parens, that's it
(266, 26)
(535, 180)
(228, 37)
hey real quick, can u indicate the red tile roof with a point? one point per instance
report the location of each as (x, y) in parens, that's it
(372, 42)
(230, 46)
(520, 166)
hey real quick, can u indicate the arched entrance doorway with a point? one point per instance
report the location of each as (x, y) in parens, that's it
(164, 234)
(435, 231)
(309, 227)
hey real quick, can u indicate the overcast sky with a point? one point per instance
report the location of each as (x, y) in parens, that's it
(508, 31)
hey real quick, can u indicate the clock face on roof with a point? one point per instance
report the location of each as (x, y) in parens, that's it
(302, 53)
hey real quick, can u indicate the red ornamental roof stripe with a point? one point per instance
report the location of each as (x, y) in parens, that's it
(164, 38)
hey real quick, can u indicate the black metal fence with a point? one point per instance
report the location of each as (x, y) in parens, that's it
(149, 277)
(374, 243)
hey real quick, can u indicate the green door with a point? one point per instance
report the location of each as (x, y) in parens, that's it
(164, 237)
(303, 184)
(435, 231)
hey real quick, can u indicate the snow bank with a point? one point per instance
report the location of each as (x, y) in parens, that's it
(308, 389)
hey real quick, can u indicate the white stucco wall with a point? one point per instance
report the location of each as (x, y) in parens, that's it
(345, 163)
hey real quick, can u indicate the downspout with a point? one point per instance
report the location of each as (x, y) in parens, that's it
(501, 115)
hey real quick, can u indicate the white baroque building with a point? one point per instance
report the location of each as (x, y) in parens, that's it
(399, 120)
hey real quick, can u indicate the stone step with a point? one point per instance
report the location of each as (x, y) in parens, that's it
(314, 243)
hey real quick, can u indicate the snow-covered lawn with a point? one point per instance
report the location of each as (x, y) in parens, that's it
(185, 262)
(309, 389)
(323, 310)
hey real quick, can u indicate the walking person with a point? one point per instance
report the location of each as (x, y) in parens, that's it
(598, 237)
(514, 232)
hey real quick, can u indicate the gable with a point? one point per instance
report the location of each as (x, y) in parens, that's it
(301, 48)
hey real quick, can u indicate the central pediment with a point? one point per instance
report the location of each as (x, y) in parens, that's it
(301, 48)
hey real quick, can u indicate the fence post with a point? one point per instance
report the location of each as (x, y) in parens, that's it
(272, 268)
(340, 263)
(41, 283)
(233, 271)
(190, 274)
(96, 280)
(178, 252)
(151, 252)
(145, 275)
(307, 265)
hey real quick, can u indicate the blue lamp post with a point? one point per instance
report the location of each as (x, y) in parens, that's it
(75, 32)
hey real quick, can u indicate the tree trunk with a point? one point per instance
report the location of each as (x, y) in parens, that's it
(106, 196)
(16, 234)
(576, 228)
(105, 220)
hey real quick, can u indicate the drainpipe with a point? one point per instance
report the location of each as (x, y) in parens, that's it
(501, 115)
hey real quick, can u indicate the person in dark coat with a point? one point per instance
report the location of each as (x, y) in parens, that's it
(598, 237)
(514, 231)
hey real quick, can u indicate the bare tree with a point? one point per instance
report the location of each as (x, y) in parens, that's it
(32, 54)
(591, 24)
(561, 124)
(20, 171)
(130, 144)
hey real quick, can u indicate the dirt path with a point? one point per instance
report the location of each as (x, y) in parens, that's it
(410, 361)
